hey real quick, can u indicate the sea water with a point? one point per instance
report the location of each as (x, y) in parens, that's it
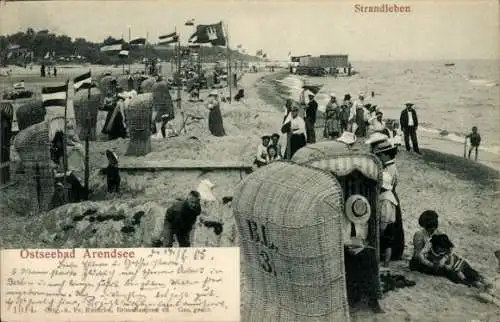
(449, 100)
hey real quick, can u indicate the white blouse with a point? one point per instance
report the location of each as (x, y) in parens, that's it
(298, 125)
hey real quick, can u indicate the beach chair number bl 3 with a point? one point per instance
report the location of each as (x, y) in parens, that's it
(259, 235)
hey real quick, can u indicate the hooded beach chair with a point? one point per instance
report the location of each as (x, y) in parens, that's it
(289, 219)
(360, 176)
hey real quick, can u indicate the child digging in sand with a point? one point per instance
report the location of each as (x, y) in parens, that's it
(475, 140)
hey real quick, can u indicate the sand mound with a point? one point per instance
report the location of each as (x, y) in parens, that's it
(116, 223)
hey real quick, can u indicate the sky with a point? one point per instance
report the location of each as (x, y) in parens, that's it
(459, 29)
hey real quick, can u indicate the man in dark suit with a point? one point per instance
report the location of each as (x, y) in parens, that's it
(311, 111)
(409, 125)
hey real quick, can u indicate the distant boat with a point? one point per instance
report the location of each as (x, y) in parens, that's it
(449, 64)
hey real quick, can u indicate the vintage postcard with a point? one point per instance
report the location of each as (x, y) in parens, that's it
(254, 161)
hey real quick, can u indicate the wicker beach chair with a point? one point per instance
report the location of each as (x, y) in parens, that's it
(139, 115)
(360, 174)
(289, 219)
(86, 112)
(162, 101)
(107, 85)
(33, 146)
(30, 112)
(6, 120)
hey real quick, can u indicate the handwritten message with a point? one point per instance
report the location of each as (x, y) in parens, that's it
(140, 284)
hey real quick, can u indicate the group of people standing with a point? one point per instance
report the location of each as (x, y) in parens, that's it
(45, 71)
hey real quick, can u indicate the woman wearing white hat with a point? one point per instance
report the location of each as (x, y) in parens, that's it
(215, 123)
(391, 225)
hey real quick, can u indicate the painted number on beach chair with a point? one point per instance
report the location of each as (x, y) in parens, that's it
(259, 235)
(267, 263)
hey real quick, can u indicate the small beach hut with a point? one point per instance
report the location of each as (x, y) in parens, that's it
(289, 219)
(139, 117)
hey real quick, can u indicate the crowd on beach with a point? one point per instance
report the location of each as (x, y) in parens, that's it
(347, 123)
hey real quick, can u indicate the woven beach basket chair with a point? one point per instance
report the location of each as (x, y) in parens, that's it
(139, 115)
(147, 85)
(105, 85)
(6, 121)
(162, 101)
(290, 229)
(86, 112)
(30, 112)
(359, 173)
(33, 146)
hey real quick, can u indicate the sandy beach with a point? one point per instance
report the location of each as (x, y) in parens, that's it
(465, 194)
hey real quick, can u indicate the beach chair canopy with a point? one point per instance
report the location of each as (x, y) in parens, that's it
(335, 157)
(289, 219)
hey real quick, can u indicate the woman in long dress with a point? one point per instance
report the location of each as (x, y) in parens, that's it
(215, 123)
(332, 128)
(392, 233)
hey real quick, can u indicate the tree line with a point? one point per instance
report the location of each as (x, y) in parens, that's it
(42, 42)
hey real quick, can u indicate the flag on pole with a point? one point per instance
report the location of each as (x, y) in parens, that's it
(54, 97)
(83, 81)
(138, 42)
(190, 22)
(168, 38)
(115, 46)
(213, 34)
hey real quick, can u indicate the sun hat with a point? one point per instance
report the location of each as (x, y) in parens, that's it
(347, 138)
(409, 104)
(213, 93)
(333, 95)
(357, 209)
(164, 116)
(383, 146)
(361, 94)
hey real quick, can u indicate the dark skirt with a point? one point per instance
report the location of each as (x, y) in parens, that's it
(297, 141)
(215, 124)
(393, 236)
(311, 132)
(113, 127)
(362, 273)
(398, 246)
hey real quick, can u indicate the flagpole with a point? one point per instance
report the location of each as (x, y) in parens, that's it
(179, 104)
(65, 145)
(129, 39)
(87, 138)
(229, 74)
(147, 54)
